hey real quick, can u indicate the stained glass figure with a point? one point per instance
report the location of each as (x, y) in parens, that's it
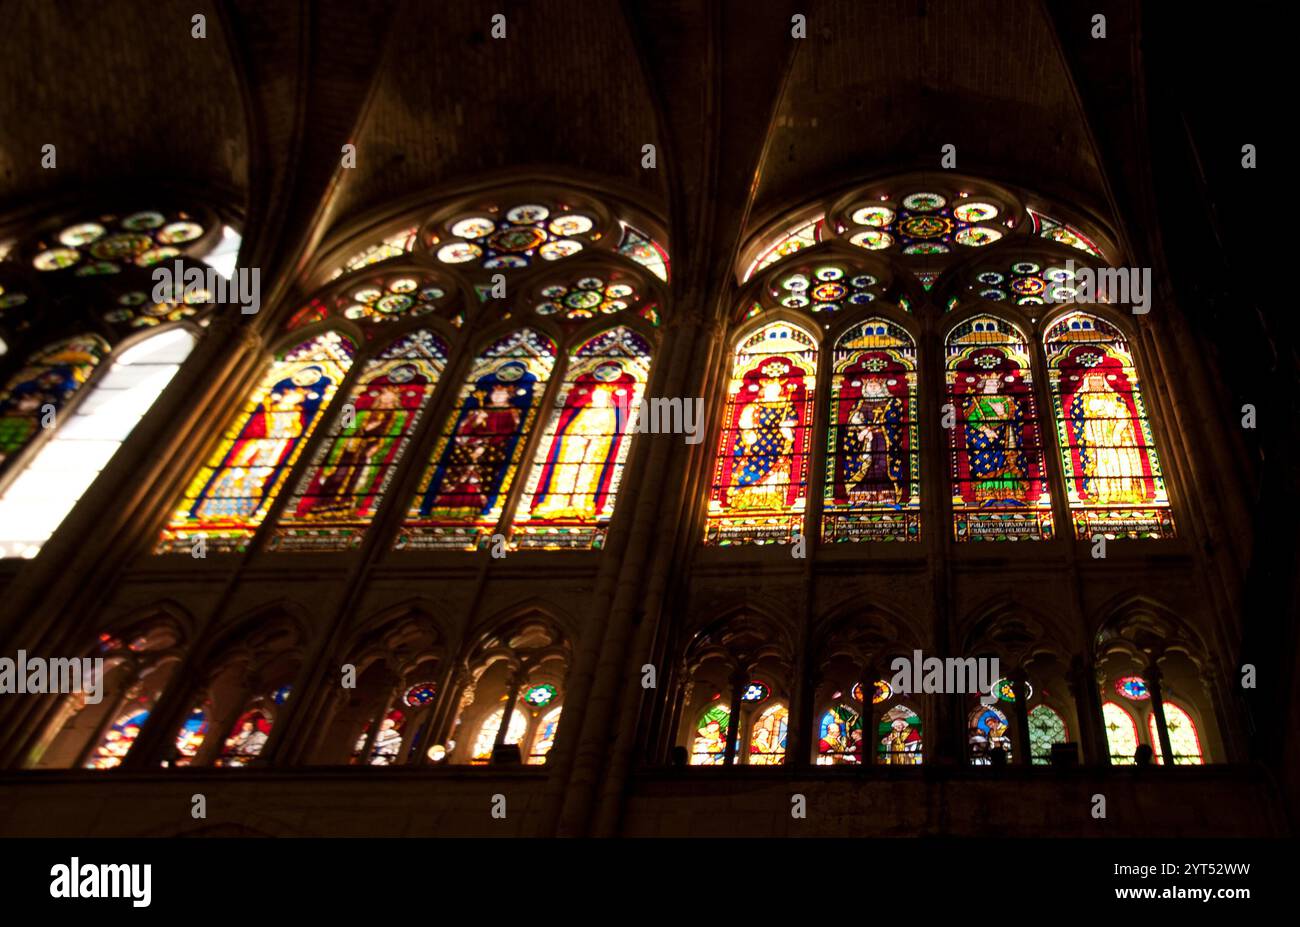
(1133, 688)
(840, 737)
(247, 739)
(898, 737)
(1121, 734)
(643, 249)
(1183, 741)
(1046, 728)
(760, 479)
(804, 235)
(227, 499)
(59, 473)
(544, 739)
(119, 738)
(988, 732)
(337, 498)
(41, 388)
(464, 488)
(487, 734)
(767, 739)
(387, 746)
(569, 497)
(873, 486)
(709, 747)
(1000, 490)
(1115, 485)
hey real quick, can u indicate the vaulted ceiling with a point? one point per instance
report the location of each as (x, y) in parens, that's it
(745, 119)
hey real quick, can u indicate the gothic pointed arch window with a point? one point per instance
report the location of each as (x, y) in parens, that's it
(709, 746)
(337, 498)
(465, 487)
(839, 736)
(1046, 729)
(988, 732)
(568, 499)
(232, 491)
(873, 487)
(1113, 476)
(769, 736)
(1183, 739)
(75, 298)
(97, 727)
(759, 488)
(999, 481)
(1121, 734)
(899, 737)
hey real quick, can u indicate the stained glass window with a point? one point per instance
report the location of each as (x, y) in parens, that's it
(487, 734)
(898, 737)
(112, 242)
(1054, 230)
(464, 488)
(569, 497)
(544, 739)
(1046, 728)
(987, 731)
(42, 495)
(248, 738)
(191, 735)
(643, 249)
(873, 486)
(121, 735)
(767, 739)
(227, 499)
(1133, 688)
(760, 479)
(1025, 283)
(392, 246)
(337, 498)
(824, 288)
(588, 297)
(1113, 477)
(387, 746)
(514, 239)
(44, 384)
(709, 746)
(839, 737)
(804, 235)
(1000, 490)
(1183, 740)
(1121, 734)
(923, 223)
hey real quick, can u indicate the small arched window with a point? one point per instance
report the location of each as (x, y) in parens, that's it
(767, 739)
(988, 731)
(839, 737)
(1046, 728)
(1183, 739)
(1121, 734)
(760, 479)
(898, 737)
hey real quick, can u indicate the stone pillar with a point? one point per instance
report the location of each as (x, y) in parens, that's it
(1158, 707)
(1020, 708)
